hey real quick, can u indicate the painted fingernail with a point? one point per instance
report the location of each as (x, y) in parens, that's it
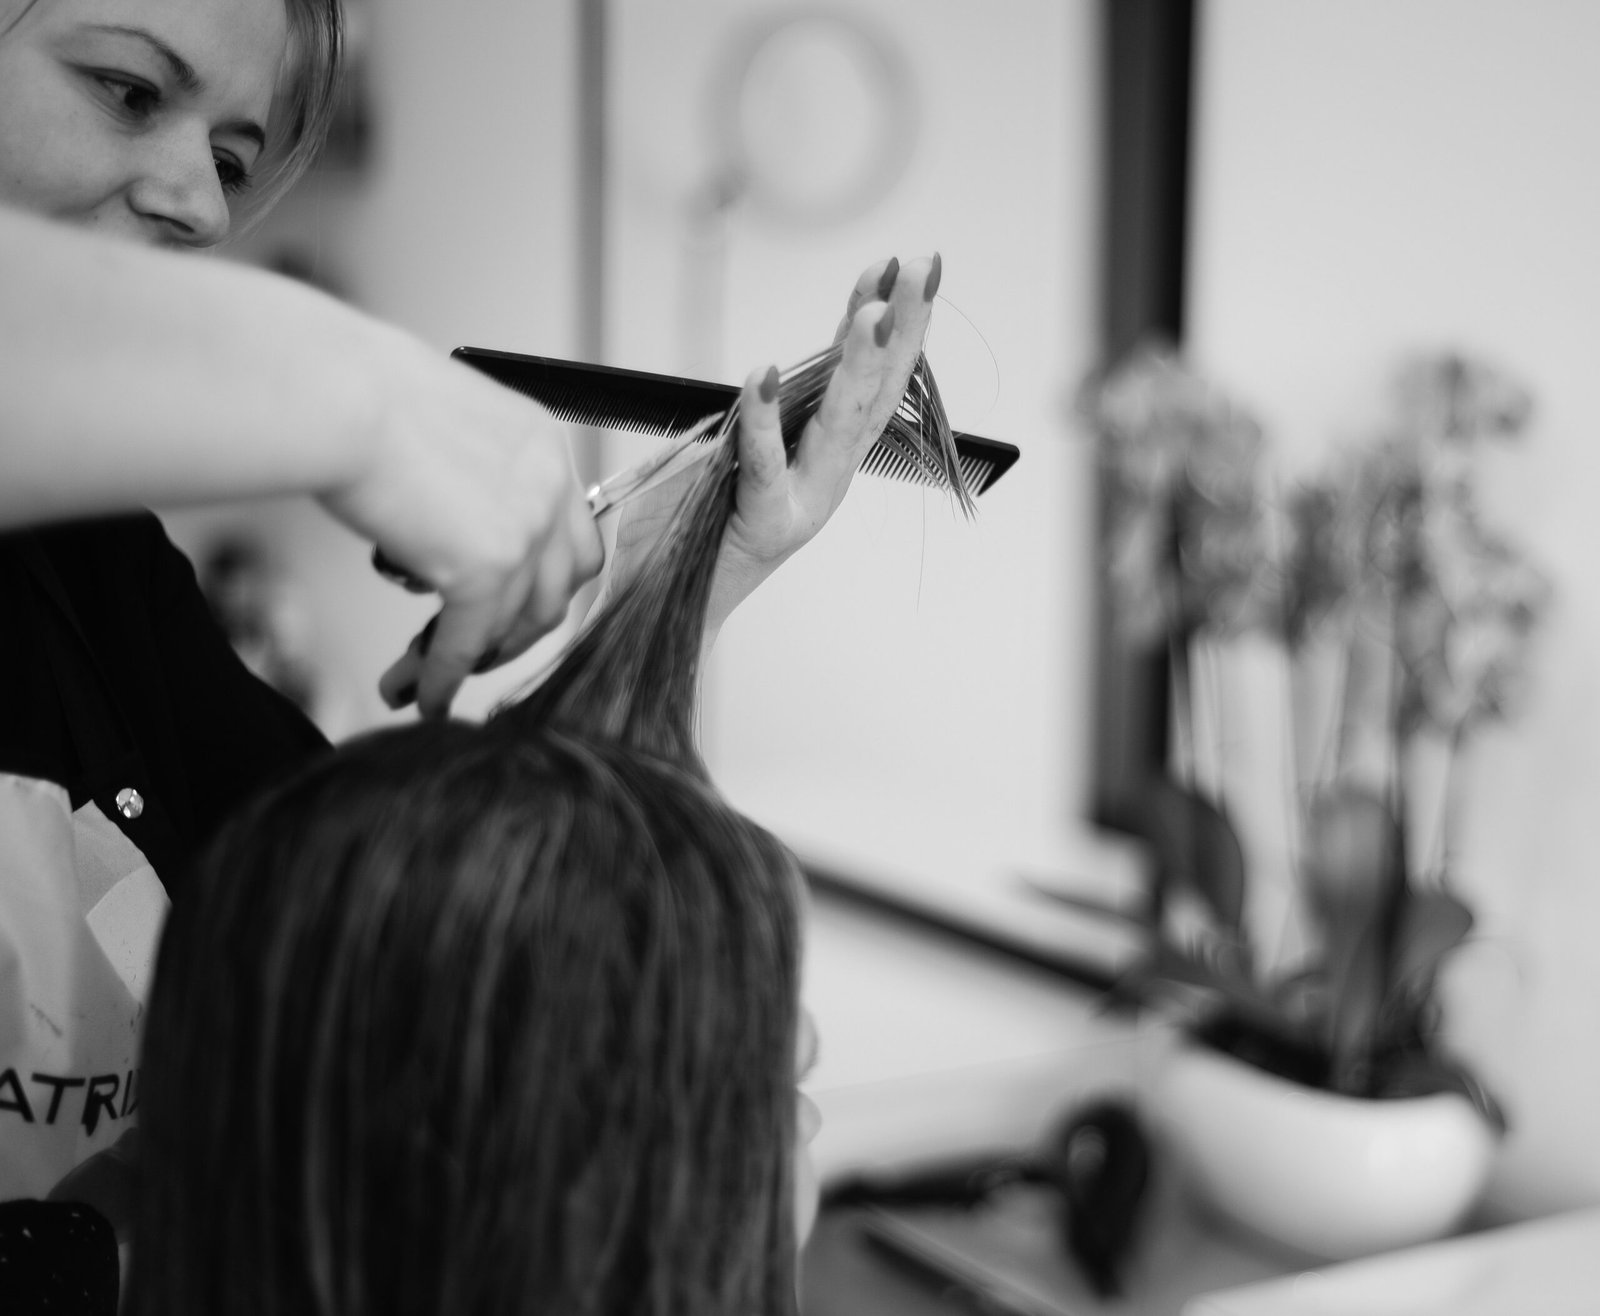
(885, 327)
(769, 384)
(392, 571)
(425, 635)
(490, 657)
(891, 272)
(934, 275)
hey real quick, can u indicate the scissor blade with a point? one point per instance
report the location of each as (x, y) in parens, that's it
(666, 463)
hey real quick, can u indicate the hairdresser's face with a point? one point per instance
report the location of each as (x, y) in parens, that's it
(808, 1122)
(139, 118)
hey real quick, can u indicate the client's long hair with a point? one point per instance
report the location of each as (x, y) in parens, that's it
(465, 1023)
(470, 1021)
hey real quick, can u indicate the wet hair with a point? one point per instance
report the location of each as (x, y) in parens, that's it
(459, 1022)
(488, 1019)
(493, 1018)
(633, 673)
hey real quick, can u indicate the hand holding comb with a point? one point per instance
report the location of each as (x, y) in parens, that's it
(632, 672)
(691, 411)
(788, 465)
(672, 406)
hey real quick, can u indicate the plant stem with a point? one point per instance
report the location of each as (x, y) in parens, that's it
(1444, 858)
(1349, 677)
(1183, 702)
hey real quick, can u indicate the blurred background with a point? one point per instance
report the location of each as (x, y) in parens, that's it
(692, 186)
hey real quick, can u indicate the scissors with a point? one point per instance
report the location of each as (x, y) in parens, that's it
(665, 465)
(661, 467)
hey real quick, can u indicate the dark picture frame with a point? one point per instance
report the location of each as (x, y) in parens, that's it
(1149, 60)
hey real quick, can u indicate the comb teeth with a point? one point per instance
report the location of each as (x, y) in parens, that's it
(668, 405)
(977, 472)
(579, 402)
(885, 461)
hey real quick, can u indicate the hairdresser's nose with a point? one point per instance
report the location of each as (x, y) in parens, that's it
(178, 197)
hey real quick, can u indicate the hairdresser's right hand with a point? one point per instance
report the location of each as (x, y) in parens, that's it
(470, 489)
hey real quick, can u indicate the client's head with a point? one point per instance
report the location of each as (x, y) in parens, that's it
(468, 1022)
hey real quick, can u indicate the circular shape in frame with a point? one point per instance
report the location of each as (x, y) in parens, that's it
(815, 115)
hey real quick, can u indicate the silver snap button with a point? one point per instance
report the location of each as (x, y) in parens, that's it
(130, 804)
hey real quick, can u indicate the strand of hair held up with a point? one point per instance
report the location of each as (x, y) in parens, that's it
(632, 675)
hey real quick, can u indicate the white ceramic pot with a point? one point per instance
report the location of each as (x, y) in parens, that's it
(1327, 1176)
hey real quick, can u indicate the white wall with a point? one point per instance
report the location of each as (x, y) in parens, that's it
(1374, 177)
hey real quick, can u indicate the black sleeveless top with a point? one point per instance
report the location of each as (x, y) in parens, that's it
(114, 677)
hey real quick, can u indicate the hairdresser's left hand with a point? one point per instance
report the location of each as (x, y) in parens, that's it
(780, 504)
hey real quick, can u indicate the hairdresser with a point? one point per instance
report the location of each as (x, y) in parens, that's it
(133, 132)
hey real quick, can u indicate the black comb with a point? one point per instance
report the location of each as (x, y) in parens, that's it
(646, 403)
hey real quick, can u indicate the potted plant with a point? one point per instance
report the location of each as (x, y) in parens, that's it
(1399, 621)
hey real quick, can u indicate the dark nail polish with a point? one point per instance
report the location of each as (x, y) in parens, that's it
(934, 275)
(885, 327)
(489, 659)
(391, 570)
(425, 635)
(891, 272)
(769, 384)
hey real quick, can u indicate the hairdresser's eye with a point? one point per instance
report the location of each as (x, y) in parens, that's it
(132, 98)
(233, 176)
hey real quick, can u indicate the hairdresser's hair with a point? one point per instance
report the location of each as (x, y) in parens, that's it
(308, 97)
(466, 1023)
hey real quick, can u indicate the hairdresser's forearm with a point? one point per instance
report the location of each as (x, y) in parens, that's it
(132, 377)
